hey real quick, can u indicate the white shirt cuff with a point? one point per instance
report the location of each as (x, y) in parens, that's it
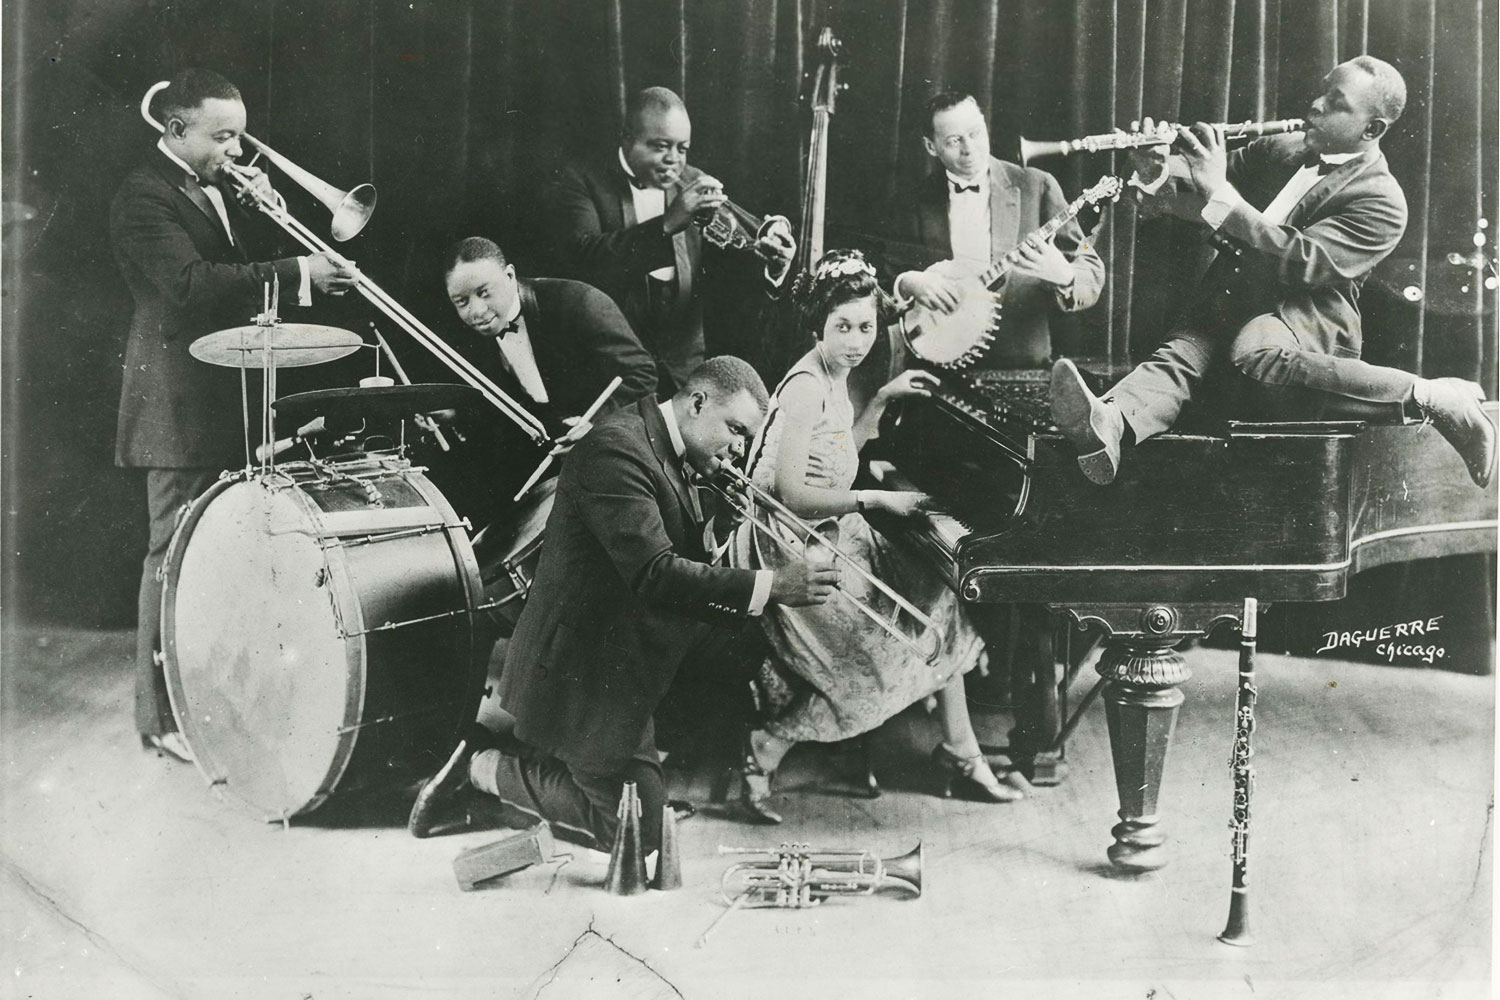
(304, 287)
(780, 279)
(762, 592)
(1220, 205)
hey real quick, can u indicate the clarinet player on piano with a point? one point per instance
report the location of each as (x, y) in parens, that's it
(833, 673)
(1300, 220)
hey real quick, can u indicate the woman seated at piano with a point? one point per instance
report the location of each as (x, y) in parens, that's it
(834, 673)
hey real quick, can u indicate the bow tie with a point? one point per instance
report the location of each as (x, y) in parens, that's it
(1316, 161)
(637, 183)
(961, 188)
(510, 327)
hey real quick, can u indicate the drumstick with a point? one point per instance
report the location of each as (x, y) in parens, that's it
(437, 432)
(587, 416)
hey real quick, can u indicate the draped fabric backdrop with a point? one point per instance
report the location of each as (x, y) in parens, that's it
(456, 110)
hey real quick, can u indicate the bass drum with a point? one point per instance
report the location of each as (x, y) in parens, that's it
(318, 628)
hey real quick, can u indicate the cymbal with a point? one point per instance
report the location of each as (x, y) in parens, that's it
(292, 345)
(349, 404)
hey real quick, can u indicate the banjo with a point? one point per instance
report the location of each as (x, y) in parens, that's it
(958, 339)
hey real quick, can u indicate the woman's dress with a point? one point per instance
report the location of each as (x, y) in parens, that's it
(834, 673)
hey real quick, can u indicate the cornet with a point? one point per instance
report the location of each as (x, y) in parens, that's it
(743, 499)
(1162, 134)
(796, 875)
(730, 227)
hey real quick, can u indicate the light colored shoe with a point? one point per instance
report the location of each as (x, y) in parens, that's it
(169, 745)
(1452, 404)
(1092, 426)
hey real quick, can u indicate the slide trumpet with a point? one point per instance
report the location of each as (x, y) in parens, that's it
(743, 498)
(351, 210)
(1163, 133)
(796, 875)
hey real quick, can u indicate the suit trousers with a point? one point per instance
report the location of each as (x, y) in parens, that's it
(167, 492)
(580, 804)
(1276, 378)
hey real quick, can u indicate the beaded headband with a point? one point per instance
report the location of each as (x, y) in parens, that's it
(838, 267)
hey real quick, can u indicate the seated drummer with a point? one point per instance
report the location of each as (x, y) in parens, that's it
(551, 344)
(624, 593)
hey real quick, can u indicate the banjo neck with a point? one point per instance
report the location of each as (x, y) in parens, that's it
(993, 274)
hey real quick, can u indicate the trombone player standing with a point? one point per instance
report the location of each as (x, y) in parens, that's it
(180, 240)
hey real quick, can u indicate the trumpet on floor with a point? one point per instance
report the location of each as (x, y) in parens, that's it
(743, 496)
(796, 875)
(1162, 134)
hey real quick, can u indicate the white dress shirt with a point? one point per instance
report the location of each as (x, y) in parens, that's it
(650, 203)
(216, 198)
(763, 577)
(519, 359)
(1227, 199)
(969, 219)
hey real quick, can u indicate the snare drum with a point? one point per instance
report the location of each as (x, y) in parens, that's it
(318, 630)
(508, 553)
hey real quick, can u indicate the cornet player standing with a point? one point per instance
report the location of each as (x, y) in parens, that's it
(627, 227)
(180, 239)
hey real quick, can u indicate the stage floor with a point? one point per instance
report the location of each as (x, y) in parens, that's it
(1371, 866)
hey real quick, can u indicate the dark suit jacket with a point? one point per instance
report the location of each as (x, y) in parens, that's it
(1309, 271)
(187, 280)
(591, 218)
(1021, 199)
(620, 593)
(580, 340)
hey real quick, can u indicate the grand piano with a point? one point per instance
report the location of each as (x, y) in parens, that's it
(1195, 523)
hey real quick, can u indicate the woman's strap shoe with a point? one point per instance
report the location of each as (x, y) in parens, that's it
(973, 777)
(755, 785)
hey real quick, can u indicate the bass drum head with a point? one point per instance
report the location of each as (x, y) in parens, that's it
(280, 675)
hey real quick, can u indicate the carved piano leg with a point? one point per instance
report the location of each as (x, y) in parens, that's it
(1141, 704)
(1038, 716)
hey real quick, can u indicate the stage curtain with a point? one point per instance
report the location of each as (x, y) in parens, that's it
(459, 110)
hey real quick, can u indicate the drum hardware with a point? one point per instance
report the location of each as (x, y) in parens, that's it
(350, 212)
(423, 421)
(1163, 134)
(387, 536)
(292, 345)
(739, 497)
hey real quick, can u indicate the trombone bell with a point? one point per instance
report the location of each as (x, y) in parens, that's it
(350, 209)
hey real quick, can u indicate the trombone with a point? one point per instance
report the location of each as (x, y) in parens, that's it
(1162, 134)
(351, 210)
(809, 536)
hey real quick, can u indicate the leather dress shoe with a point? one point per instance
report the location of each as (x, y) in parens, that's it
(1091, 426)
(444, 787)
(168, 745)
(1453, 406)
